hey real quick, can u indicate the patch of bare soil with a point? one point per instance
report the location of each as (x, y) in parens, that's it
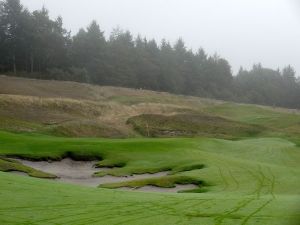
(81, 173)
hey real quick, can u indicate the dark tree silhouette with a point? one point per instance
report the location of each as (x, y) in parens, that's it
(34, 45)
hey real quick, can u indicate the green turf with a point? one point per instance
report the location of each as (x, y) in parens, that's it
(249, 181)
(277, 121)
(10, 165)
(31, 201)
(166, 182)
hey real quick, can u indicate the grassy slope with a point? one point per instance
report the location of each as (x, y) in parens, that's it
(81, 110)
(32, 201)
(249, 180)
(279, 121)
(253, 181)
(192, 125)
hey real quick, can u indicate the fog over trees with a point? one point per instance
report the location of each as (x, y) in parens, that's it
(34, 45)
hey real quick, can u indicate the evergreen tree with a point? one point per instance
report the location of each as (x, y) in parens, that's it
(13, 30)
(168, 71)
(289, 74)
(33, 43)
(89, 51)
(121, 59)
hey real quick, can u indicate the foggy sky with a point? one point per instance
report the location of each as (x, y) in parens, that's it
(242, 31)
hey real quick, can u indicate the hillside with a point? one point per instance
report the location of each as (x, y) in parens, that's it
(241, 160)
(82, 110)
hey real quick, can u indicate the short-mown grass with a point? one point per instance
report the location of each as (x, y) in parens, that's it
(251, 181)
(32, 201)
(280, 120)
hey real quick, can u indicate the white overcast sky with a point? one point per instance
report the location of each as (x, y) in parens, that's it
(242, 31)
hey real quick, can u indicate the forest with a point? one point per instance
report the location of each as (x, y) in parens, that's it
(36, 46)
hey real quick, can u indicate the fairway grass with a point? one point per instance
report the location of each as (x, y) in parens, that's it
(33, 201)
(250, 181)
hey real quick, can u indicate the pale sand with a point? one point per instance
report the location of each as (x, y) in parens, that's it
(81, 173)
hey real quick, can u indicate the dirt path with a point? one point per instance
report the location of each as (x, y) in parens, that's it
(81, 173)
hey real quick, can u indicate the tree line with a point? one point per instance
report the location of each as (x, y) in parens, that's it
(34, 45)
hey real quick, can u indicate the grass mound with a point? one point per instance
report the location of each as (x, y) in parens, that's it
(163, 182)
(154, 125)
(86, 129)
(187, 167)
(81, 110)
(9, 165)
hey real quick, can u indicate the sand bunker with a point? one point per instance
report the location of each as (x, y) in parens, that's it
(81, 173)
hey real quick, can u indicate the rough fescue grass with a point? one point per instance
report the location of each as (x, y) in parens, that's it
(11, 124)
(81, 110)
(155, 125)
(87, 128)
